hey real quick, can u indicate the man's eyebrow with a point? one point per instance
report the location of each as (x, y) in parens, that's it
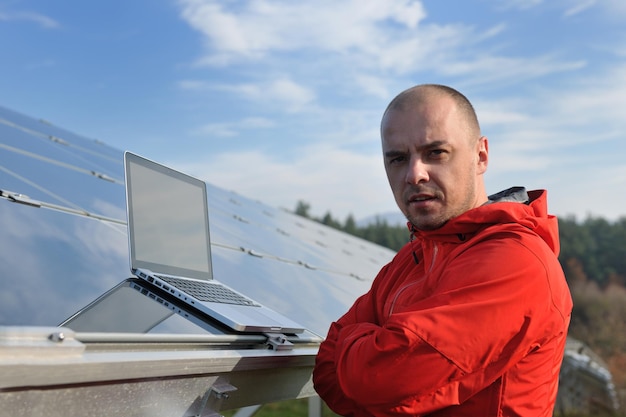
(434, 144)
(394, 153)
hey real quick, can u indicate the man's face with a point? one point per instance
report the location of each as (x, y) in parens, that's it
(434, 165)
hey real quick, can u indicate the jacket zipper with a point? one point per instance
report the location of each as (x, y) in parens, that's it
(432, 264)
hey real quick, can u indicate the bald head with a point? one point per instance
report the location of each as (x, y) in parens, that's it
(434, 155)
(424, 93)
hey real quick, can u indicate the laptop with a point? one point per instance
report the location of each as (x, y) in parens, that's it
(170, 247)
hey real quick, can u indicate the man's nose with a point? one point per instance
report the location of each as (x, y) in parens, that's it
(417, 171)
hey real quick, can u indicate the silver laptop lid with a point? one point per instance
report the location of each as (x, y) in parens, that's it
(168, 224)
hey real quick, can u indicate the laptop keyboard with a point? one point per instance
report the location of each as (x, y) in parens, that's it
(208, 291)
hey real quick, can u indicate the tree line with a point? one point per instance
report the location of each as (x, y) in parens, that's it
(591, 250)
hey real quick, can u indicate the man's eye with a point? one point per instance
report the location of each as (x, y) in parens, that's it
(396, 160)
(437, 153)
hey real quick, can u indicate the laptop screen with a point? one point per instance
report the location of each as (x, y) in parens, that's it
(167, 220)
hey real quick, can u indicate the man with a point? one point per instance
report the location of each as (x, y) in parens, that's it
(470, 317)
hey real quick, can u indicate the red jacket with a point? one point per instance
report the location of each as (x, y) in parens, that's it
(467, 320)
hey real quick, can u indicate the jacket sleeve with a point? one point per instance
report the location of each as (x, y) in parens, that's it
(325, 376)
(439, 349)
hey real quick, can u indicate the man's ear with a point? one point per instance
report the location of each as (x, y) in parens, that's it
(482, 147)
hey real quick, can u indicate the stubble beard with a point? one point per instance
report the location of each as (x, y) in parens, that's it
(427, 219)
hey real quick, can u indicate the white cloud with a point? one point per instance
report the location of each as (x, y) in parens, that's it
(518, 4)
(352, 41)
(257, 123)
(282, 92)
(488, 69)
(43, 21)
(359, 34)
(219, 130)
(328, 178)
(193, 85)
(234, 128)
(492, 114)
(597, 100)
(289, 92)
(568, 139)
(588, 113)
(615, 8)
(579, 8)
(374, 85)
(258, 27)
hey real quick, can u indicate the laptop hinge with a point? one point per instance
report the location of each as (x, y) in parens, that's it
(212, 400)
(278, 341)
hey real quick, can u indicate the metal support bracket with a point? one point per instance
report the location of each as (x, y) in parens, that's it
(278, 341)
(38, 343)
(19, 198)
(213, 399)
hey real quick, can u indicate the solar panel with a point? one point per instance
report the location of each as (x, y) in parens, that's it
(66, 243)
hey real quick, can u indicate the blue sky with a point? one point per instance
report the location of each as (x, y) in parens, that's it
(281, 100)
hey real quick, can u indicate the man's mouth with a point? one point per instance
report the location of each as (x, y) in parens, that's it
(421, 197)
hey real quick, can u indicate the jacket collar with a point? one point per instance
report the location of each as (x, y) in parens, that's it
(514, 205)
(513, 195)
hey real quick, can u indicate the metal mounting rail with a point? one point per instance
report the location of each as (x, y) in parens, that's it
(55, 372)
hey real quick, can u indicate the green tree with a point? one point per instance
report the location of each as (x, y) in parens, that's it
(302, 209)
(350, 226)
(328, 220)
